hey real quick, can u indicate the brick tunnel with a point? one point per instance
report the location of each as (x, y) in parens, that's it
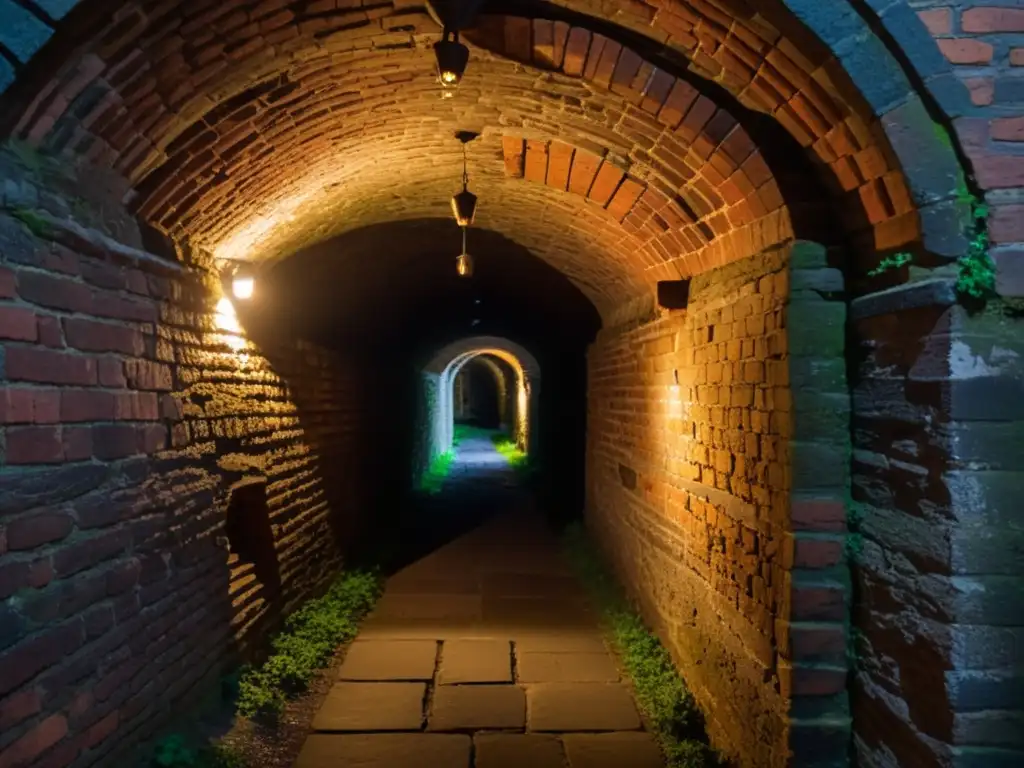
(767, 257)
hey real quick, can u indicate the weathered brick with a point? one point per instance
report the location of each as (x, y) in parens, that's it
(992, 20)
(18, 324)
(92, 336)
(36, 741)
(37, 529)
(48, 367)
(78, 405)
(966, 50)
(34, 445)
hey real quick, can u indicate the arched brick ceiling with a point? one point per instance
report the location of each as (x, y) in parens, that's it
(255, 128)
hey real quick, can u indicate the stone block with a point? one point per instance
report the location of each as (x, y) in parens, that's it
(372, 707)
(21, 33)
(390, 750)
(804, 254)
(976, 690)
(475, 661)
(513, 750)
(613, 750)
(389, 660)
(817, 329)
(821, 416)
(566, 668)
(581, 707)
(824, 465)
(477, 707)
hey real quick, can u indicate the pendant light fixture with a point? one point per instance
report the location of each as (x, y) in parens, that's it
(464, 203)
(452, 58)
(464, 262)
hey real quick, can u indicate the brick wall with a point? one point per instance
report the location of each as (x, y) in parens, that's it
(126, 416)
(688, 480)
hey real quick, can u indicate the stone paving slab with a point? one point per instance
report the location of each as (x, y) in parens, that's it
(573, 641)
(563, 707)
(389, 660)
(515, 750)
(477, 707)
(411, 584)
(529, 585)
(475, 661)
(372, 707)
(546, 612)
(612, 750)
(386, 750)
(425, 606)
(566, 668)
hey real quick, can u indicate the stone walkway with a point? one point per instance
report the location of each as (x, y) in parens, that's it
(483, 654)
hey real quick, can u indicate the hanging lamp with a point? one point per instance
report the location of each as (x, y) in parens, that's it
(464, 203)
(464, 262)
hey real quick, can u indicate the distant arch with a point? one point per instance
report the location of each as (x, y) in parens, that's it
(439, 379)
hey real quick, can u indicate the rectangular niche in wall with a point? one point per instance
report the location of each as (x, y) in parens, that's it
(673, 294)
(251, 542)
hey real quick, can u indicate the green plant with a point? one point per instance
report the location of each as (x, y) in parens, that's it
(172, 752)
(977, 275)
(438, 470)
(504, 445)
(36, 224)
(661, 693)
(895, 261)
(307, 642)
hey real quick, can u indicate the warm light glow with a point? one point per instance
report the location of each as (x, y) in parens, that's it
(243, 286)
(464, 265)
(227, 321)
(449, 77)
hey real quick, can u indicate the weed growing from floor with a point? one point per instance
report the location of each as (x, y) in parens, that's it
(173, 752)
(308, 641)
(661, 694)
(519, 460)
(438, 470)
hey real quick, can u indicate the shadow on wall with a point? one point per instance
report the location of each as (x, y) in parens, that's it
(129, 414)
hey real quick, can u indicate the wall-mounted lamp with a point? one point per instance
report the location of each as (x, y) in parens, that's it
(452, 58)
(239, 280)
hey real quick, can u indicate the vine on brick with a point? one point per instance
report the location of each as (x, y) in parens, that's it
(977, 275)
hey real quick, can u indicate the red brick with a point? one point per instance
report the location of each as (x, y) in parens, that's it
(48, 367)
(37, 653)
(35, 742)
(1006, 224)
(13, 576)
(93, 336)
(822, 603)
(818, 642)
(115, 441)
(37, 529)
(18, 324)
(102, 730)
(938, 20)
(1009, 272)
(77, 405)
(152, 438)
(966, 50)
(605, 183)
(34, 445)
(559, 164)
(16, 406)
(111, 373)
(50, 334)
(992, 20)
(981, 89)
(7, 284)
(55, 292)
(817, 552)
(77, 443)
(576, 51)
(1008, 128)
(798, 680)
(136, 406)
(584, 169)
(536, 161)
(1017, 57)
(1000, 172)
(71, 559)
(19, 706)
(818, 515)
(145, 374)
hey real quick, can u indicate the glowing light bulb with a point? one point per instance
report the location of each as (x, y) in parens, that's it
(449, 77)
(243, 286)
(464, 265)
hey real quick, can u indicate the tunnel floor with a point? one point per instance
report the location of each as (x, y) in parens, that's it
(483, 654)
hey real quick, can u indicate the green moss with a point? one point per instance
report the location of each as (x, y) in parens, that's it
(36, 224)
(661, 693)
(895, 261)
(308, 641)
(433, 479)
(174, 752)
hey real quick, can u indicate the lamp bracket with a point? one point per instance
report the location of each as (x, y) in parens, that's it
(466, 136)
